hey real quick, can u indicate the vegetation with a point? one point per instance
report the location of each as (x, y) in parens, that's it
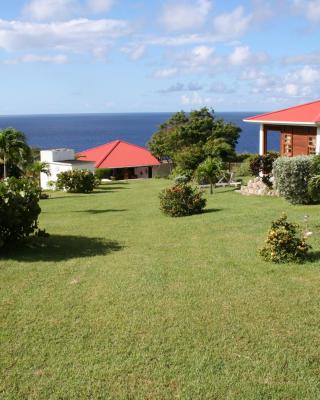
(188, 139)
(19, 210)
(210, 170)
(285, 243)
(264, 164)
(103, 173)
(122, 302)
(292, 175)
(14, 151)
(76, 181)
(181, 199)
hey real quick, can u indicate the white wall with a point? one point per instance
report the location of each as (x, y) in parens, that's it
(57, 155)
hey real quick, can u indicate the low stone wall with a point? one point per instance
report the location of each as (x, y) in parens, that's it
(258, 188)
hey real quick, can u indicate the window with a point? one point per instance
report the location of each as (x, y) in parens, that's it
(312, 145)
(287, 145)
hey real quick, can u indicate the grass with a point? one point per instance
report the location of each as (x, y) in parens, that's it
(122, 302)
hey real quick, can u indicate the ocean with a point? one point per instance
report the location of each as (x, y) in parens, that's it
(82, 131)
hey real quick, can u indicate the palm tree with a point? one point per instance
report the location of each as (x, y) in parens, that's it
(36, 168)
(211, 169)
(13, 147)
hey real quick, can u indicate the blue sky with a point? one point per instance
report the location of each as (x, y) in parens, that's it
(93, 56)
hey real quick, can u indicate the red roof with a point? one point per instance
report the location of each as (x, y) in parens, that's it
(118, 154)
(308, 113)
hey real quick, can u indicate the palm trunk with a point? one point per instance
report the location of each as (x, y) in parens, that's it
(4, 167)
(211, 188)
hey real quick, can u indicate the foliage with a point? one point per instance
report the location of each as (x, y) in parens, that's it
(244, 168)
(315, 165)
(76, 181)
(263, 163)
(19, 209)
(103, 173)
(181, 199)
(292, 175)
(210, 170)
(314, 189)
(14, 151)
(188, 139)
(285, 243)
(182, 179)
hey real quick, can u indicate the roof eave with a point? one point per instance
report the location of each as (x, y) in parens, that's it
(256, 121)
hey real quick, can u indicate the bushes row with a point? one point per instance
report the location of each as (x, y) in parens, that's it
(298, 178)
(19, 209)
(77, 181)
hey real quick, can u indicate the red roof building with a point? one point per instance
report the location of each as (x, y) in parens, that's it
(299, 128)
(120, 155)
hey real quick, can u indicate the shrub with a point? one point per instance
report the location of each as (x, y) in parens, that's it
(314, 189)
(263, 163)
(103, 173)
(182, 179)
(181, 199)
(292, 175)
(19, 209)
(285, 243)
(244, 168)
(77, 181)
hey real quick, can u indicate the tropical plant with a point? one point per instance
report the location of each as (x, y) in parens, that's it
(33, 170)
(285, 242)
(181, 199)
(210, 170)
(19, 209)
(13, 148)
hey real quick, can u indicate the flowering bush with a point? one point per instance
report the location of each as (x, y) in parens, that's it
(19, 209)
(77, 181)
(181, 199)
(285, 243)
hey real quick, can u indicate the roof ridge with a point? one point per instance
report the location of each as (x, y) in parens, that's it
(284, 109)
(133, 144)
(97, 147)
(108, 154)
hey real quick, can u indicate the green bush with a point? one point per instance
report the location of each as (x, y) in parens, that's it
(292, 175)
(77, 181)
(103, 173)
(314, 188)
(19, 209)
(181, 199)
(285, 243)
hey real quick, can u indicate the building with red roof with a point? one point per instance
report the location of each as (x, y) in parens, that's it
(125, 159)
(299, 128)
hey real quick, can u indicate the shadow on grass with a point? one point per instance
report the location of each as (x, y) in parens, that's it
(99, 211)
(60, 248)
(95, 192)
(313, 256)
(211, 210)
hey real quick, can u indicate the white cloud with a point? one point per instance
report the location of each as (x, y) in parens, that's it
(80, 35)
(310, 59)
(185, 15)
(310, 9)
(100, 6)
(195, 99)
(305, 76)
(240, 55)
(199, 58)
(181, 87)
(42, 10)
(166, 73)
(232, 25)
(33, 58)
(135, 52)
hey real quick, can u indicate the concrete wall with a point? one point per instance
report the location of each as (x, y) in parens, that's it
(55, 169)
(162, 171)
(141, 172)
(56, 155)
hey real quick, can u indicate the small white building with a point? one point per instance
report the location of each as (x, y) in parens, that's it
(60, 160)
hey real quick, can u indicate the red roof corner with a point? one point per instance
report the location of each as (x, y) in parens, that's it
(119, 154)
(304, 114)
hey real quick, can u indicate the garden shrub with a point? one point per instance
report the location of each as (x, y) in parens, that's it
(182, 179)
(182, 199)
(77, 181)
(19, 209)
(285, 243)
(103, 173)
(263, 163)
(314, 189)
(292, 175)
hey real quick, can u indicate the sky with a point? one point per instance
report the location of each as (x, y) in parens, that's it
(106, 56)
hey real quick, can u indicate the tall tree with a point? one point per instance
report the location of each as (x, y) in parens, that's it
(13, 148)
(188, 139)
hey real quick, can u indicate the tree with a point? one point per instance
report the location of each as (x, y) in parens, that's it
(13, 148)
(211, 169)
(35, 169)
(193, 137)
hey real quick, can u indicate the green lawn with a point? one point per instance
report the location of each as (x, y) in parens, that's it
(123, 302)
